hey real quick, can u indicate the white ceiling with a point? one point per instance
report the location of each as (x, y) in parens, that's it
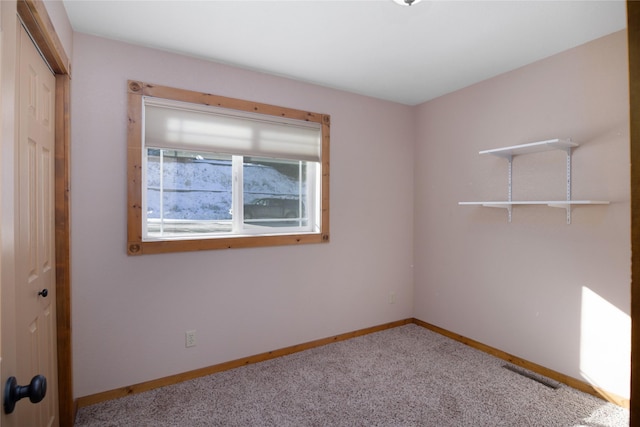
(371, 47)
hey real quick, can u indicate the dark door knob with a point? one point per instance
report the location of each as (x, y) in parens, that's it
(35, 391)
(43, 293)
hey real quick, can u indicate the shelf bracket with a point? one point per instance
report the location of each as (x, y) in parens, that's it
(568, 150)
(510, 184)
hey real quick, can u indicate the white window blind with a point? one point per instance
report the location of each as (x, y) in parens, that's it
(182, 126)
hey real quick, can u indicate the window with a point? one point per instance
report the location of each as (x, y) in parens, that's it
(209, 172)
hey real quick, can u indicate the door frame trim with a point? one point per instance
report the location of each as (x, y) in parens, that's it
(633, 32)
(35, 18)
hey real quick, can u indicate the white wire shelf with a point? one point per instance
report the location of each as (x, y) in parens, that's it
(551, 203)
(533, 147)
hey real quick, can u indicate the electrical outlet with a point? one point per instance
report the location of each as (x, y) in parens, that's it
(392, 297)
(190, 339)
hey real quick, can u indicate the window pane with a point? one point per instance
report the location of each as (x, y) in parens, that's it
(187, 193)
(274, 193)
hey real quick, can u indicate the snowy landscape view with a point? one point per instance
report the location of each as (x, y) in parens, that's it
(200, 189)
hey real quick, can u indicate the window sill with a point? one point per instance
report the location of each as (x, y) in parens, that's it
(186, 245)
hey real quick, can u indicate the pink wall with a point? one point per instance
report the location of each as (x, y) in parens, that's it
(130, 313)
(555, 294)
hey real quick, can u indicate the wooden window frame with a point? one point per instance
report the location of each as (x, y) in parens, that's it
(135, 244)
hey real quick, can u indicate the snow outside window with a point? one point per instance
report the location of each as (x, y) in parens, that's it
(191, 194)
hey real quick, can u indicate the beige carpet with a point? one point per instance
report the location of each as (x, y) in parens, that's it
(406, 376)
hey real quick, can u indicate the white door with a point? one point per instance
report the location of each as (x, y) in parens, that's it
(35, 291)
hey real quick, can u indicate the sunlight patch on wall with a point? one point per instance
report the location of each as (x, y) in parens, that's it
(605, 344)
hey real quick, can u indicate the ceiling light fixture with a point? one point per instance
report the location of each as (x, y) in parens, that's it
(406, 2)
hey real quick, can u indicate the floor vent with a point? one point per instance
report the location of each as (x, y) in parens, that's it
(533, 376)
